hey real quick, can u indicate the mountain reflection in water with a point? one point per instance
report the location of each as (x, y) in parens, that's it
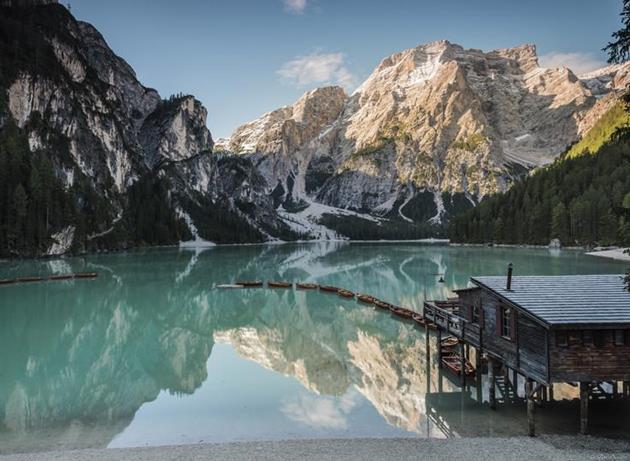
(79, 359)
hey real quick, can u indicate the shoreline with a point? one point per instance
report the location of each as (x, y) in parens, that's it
(546, 447)
(613, 253)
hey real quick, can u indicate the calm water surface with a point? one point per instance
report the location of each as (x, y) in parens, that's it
(151, 353)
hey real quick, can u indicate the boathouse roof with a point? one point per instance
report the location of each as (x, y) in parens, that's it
(566, 299)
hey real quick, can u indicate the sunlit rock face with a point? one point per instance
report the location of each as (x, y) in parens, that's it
(437, 117)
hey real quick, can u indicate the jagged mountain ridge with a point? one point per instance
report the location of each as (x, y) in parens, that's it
(436, 118)
(432, 130)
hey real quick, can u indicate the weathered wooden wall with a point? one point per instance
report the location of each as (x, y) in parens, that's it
(589, 362)
(525, 351)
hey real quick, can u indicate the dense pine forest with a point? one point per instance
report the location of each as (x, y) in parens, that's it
(579, 199)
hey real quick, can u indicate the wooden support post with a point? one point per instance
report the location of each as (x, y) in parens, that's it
(462, 352)
(615, 390)
(491, 384)
(626, 389)
(478, 373)
(531, 407)
(551, 392)
(427, 346)
(543, 397)
(439, 347)
(515, 382)
(584, 395)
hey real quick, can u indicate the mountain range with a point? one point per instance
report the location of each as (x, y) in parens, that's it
(428, 134)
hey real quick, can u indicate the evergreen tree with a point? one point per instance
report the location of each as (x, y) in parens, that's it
(619, 49)
(560, 223)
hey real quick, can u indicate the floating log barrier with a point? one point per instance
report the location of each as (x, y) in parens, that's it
(273, 284)
(29, 279)
(61, 277)
(306, 286)
(365, 299)
(230, 285)
(250, 283)
(328, 289)
(86, 275)
(345, 293)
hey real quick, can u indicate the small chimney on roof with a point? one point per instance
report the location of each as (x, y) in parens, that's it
(509, 277)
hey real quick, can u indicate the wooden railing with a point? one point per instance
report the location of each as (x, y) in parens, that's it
(445, 318)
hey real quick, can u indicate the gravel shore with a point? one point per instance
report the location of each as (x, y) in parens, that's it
(486, 449)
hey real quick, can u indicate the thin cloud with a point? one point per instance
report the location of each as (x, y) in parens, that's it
(579, 63)
(295, 6)
(318, 68)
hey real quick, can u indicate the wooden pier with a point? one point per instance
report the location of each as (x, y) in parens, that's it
(541, 331)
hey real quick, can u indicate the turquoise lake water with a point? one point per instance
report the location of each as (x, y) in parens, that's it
(152, 353)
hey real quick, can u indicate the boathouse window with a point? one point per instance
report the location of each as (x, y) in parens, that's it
(506, 322)
(601, 337)
(474, 313)
(627, 337)
(562, 339)
(620, 339)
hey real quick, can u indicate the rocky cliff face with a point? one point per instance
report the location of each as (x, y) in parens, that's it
(112, 141)
(436, 118)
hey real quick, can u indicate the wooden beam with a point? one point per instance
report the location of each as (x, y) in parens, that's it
(462, 352)
(531, 407)
(492, 384)
(439, 346)
(584, 395)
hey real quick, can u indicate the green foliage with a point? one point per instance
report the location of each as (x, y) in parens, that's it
(619, 49)
(612, 121)
(471, 143)
(357, 228)
(579, 200)
(33, 202)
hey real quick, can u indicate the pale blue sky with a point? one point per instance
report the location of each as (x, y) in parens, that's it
(242, 58)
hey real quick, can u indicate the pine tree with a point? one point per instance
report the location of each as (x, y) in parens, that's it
(560, 223)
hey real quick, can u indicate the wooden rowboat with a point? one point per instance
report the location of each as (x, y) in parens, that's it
(7, 281)
(328, 289)
(366, 299)
(230, 286)
(307, 286)
(419, 319)
(250, 283)
(86, 275)
(454, 364)
(450, 342)
(345, 293)
(272, 284)
(380, 304)
(402, 312)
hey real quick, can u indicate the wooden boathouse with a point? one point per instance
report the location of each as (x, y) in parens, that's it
(548, 329)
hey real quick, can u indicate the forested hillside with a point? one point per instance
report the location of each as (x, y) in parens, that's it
(582, 198)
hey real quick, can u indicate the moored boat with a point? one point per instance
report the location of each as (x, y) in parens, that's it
(329, 288)
(306, 286)
(366, 299)
(276, 284)
(345, 293)
(7, 281)
(250, 283)
(419, 319)
(402, 312)
(230, 285)
(454, 364)
(380, 304)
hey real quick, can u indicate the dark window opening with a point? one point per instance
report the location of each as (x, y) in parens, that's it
(627, 337)
(474, 314)
(587, 337)
(600, 337)
(620, 339)
(506, 322)
(562, 339)
(575, 338)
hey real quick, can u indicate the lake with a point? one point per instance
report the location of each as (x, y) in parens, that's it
(152, 353)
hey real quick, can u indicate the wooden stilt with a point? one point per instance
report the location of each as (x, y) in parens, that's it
(531, 407)
(584, 395)
(478, 373)
(551, 392)
(543, 397)
(462, 352)
(515, 381)
(615, 390)
(491, 384)
(439, 347)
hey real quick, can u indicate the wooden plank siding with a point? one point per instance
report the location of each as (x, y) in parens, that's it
(526, 348)
(578, 361)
